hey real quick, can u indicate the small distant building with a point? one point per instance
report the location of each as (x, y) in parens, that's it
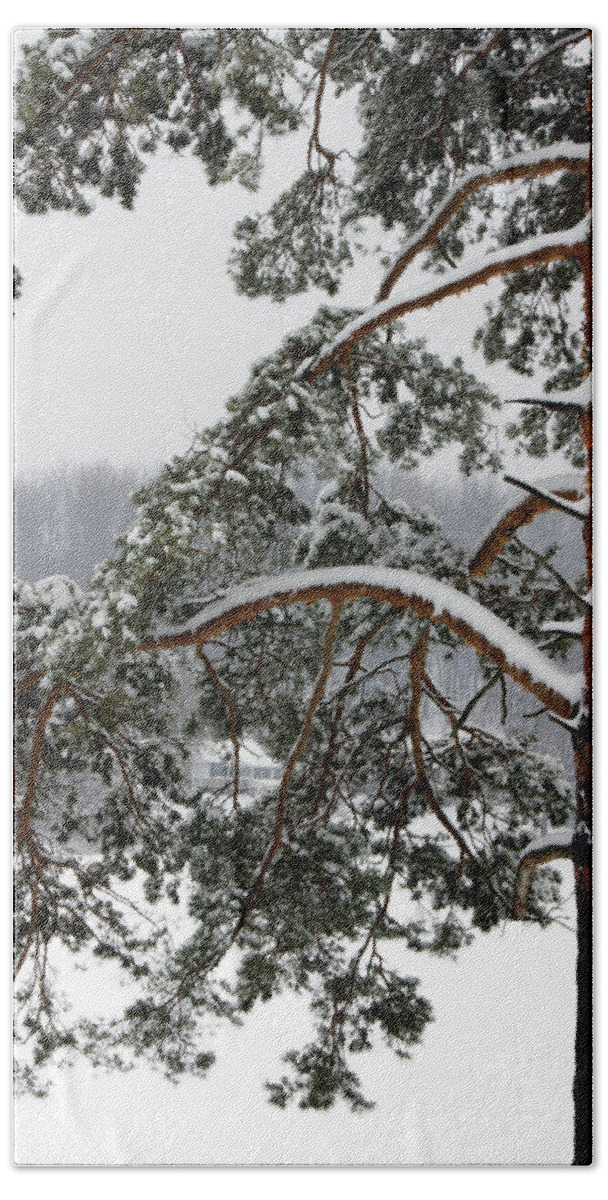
(212, 762)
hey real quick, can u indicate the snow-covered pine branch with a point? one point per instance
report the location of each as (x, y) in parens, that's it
(570, 40)
(573, 508)
(556, 844)
(430, 598)
(573, 629)
(480, 268)
(502, 531)
(577, 400)
(563, 156)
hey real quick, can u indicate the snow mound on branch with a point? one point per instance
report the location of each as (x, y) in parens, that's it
(57, 592)
(490, 175)
(567, 480)
(580, 397)
(553, 839)
(445, 602)
(416, 296)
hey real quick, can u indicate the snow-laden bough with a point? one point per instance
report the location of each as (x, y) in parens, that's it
(561, 692)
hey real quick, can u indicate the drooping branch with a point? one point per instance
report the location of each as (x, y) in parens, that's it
(582, 602)
(556, 845)
(482, 691)
(570, 40)
(26, 844)
(418, 658)
(574, 508)
(430, 598)
(363, 468)
(485, 50)
(294, 757)
(232, 721)
(576, 400)
(573, 629)
(533, 252)
(21, 685)
(425, 133)
(83, 75)
(508, 525)
(353, 668)
(314, 143)
(38, 743)
(565, 156)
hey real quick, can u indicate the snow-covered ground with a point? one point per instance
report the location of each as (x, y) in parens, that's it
(491, 1082)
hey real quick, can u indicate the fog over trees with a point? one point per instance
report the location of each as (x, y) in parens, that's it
(66, 521)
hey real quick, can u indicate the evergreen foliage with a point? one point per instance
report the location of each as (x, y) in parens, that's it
(402, 812)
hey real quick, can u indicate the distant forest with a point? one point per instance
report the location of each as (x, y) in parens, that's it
(66, 520)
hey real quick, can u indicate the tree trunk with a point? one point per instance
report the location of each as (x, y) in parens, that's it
(582, 1086)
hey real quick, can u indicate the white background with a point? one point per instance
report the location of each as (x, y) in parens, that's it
(271, 1181)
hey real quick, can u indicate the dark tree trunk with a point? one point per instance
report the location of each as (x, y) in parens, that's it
(582, 1086)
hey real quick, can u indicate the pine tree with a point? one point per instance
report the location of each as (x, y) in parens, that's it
(236, 609)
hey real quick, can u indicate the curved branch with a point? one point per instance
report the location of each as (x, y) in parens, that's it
(576, 400)
(417, 671)
(295, 755)
(573, 508)
(83, 74)
(21, 685)
(353, 668)
(494, 41)
(25, 812)
(425, 134)
(462, 615)
(508, 525)
(314, 143)
(363, 469)
(233, 724)
(566, 156)
(582, 602)
(534, 252)
(570, 40)
(556, 845)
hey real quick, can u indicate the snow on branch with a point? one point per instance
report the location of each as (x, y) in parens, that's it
(480, 268)
(578, 399)
(564, 156)
(574, 508)
(477, 626)
(556, 844)
(573, 629)
(505, 529)
(570, 40)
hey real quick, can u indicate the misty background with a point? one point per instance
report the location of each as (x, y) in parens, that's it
(67, 518)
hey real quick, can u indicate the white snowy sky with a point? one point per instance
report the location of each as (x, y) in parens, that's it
(130, 334)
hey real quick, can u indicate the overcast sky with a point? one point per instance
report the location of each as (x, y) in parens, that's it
(130, 335)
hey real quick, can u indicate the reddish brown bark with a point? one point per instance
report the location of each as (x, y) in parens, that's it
(453, 287)
(340, 593)
(582, 743)
(489, 178)
(507, 527)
